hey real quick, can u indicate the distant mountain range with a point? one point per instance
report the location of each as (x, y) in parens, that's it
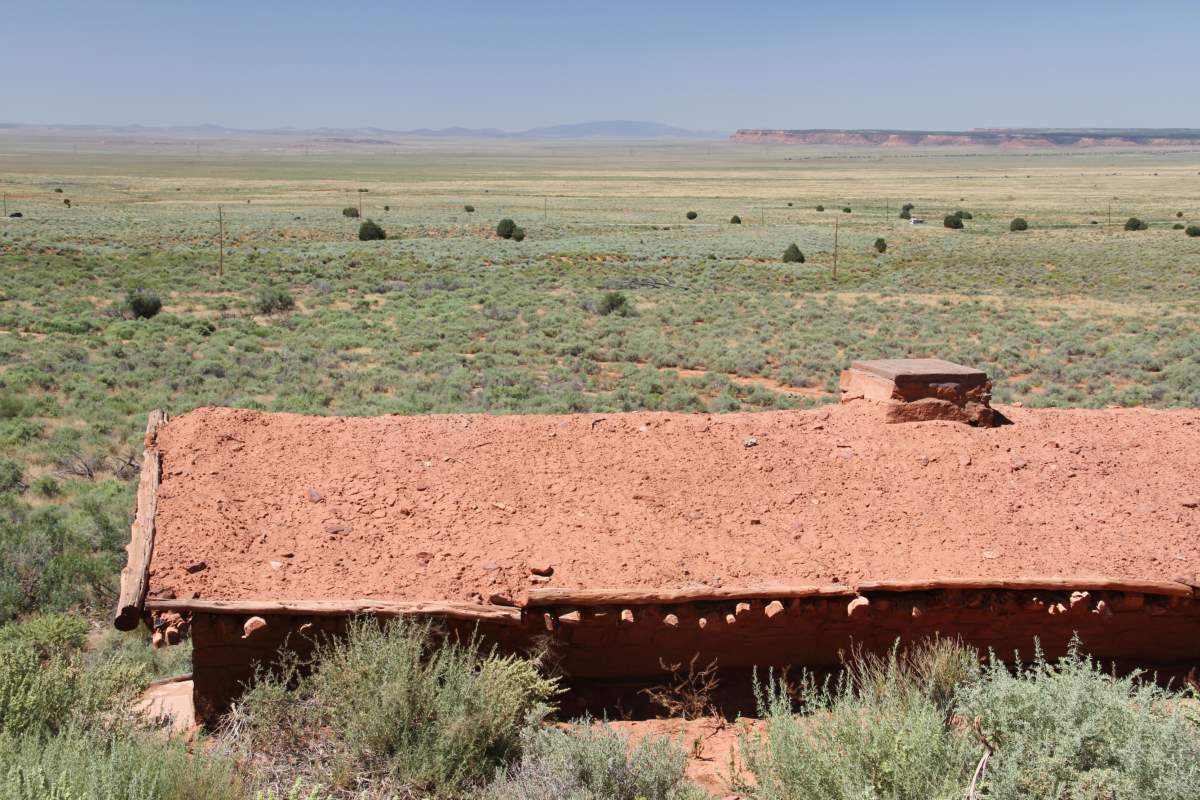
(1009, 138)
(609, 129)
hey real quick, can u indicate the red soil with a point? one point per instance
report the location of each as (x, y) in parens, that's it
(282, 506)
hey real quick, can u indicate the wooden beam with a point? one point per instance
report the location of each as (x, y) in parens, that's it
(604, 597)
(1049, 583)
(135, 576)
(599, 597)
(344, 608)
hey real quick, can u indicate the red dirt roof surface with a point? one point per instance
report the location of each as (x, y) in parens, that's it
(281, 506)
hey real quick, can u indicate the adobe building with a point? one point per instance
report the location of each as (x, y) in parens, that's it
(638, 539)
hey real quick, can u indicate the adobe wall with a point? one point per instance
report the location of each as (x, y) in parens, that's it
(619, 645)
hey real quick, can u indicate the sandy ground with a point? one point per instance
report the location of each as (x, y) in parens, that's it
(172, 701)
(257, 505)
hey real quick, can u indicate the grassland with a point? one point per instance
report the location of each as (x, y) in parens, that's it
(445, 317)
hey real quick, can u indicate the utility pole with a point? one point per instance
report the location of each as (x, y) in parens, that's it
(221, 242)
(835, 246)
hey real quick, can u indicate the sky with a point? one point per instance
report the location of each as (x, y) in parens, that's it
(514, 65)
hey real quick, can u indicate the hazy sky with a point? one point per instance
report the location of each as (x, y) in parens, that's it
(513, 65)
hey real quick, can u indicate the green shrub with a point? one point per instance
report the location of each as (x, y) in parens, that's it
(143, 303)
(369, 231)
(846, 210)
(912, 725)
(518, 234)
(613, 303)
(46, 486)
(350, 211)
(735, 220)
(12, 476)
(1018, 224)
(964, 214)
(274, 299)
(505, 228)
(878, 731)
(820, 208)
(792, 255)
(953, 221)
(906, 211)
(1178, 226)
(469, 209)
(1071, 730)
(83, 765)
(880, 245)
(691, 215)
(1135, 224)
(1193, 230)
(46, 634)
(1179, 215)
(41, 696)
(391, 703)
(591, 762)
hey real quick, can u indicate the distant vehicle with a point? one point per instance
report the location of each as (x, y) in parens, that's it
(916, 221)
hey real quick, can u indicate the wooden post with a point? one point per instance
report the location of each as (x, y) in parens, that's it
(545, 208)
(221, 242)
(135, 577)
(6, 204)
(835, 247)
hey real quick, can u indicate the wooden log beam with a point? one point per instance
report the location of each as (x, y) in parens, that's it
(344, 608)
(596, 597)
(135, 577)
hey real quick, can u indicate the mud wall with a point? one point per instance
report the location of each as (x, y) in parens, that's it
(619, 645)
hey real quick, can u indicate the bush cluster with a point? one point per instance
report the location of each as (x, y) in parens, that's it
(370, 231)
(820, 208)
(792, 255)
(913, 725)
(507, 229)
(143, 303)
(1192, 230)
(350, 211)
(691, 215)
(1018, 224)
(273, 299)
(1135, 224)
(953, 221)
(906, 211)
(735, 220)
(424, 717)
(880, 245)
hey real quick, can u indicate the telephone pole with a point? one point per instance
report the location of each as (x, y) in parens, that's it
(221, 242)
(835, 246)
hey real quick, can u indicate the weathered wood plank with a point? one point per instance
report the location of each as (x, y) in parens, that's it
(340, 608)
(600, 597)
(135, 575)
